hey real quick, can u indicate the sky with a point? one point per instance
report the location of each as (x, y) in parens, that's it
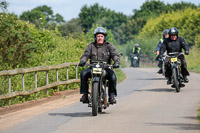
(71, 8)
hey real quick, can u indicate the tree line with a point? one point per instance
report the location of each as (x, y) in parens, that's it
(40, 31)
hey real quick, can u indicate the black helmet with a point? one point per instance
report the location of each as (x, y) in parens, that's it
(173, 31)
(100, 30)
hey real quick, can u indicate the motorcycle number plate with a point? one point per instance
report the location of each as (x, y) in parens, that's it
(173, 59)
(97, 70)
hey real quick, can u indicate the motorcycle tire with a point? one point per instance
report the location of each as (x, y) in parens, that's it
(175, 78)
(95, 94)
(134, 63)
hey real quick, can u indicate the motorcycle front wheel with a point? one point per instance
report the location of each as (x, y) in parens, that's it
(95, 94)
(175, 78)
(134, 63)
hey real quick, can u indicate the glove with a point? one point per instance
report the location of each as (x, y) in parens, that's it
(187, 52)
(116, 65)
(82, 63)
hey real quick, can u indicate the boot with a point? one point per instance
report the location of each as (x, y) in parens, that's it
(169, 81)
(160, 71)
(84, 98)
(112, 100)
(185, 79)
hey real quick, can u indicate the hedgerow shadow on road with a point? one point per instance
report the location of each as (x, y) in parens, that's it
(78, 114)
(151, 79)
(178, 126)
(157, 90)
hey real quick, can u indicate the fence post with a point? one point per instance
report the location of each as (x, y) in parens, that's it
(23, 87)
(35, 84)
(57, 79)
(76, 72)
(47, 82)
(9, 88)
(67, 76)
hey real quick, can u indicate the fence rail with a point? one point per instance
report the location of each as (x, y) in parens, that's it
(146, 59)
(34, 70)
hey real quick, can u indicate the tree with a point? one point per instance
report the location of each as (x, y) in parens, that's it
(15, 41)
(73, 27)
(3, 5)
(58, 18)
(42, 16)
(128, 31)
(89, 15)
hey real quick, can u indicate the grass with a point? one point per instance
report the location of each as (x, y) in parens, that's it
(193, 60)
(120, 75)
(198, 115)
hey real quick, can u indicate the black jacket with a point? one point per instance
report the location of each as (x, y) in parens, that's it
(105, 52)
(173, 45)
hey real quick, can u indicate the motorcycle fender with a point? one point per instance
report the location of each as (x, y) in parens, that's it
(95, 79)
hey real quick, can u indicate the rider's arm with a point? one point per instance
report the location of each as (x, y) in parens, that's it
(184, 44)
(163, 48)
(87, 53)
(113, 52)
(158, 46)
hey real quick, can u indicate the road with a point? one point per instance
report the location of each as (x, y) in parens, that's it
(145, 104)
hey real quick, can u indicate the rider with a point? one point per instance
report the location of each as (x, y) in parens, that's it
(175, 44)
(137, 51)
(165, 34)
(99, 50)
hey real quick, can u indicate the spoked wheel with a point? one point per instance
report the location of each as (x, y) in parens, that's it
(176, 82)
(95, 94)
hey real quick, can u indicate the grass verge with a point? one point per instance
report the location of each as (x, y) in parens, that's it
(198, 115)
(120, 75)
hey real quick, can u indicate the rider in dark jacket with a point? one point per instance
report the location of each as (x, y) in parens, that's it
(99, 50)
(175, 44)
(165, 34)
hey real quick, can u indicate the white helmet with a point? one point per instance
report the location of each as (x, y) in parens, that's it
(136, 45)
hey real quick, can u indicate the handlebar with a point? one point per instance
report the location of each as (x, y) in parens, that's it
(101, 63)
(176, 54)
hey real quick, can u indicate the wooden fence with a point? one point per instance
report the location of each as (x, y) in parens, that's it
(35, 70)
(147, 60)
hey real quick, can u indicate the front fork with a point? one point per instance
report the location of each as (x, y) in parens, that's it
(102, 93)
(179, 75)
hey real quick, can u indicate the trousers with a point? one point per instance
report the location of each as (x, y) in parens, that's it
(110, 75)
(168, 71)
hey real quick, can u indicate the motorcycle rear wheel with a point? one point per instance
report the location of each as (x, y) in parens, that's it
(95, 94)
(175, 78)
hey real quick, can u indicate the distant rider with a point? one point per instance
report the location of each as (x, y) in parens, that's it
(137, 51)
(99, 50)
(175, 44)
(165, 34)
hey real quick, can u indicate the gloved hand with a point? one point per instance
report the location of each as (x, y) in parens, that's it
(82, 63)
(187, 52)
(116, 65)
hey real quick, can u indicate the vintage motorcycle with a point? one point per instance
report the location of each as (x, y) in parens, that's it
(177, 77)
(134, 60)
(98, 97)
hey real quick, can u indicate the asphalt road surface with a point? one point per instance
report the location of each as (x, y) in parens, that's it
(145, 104)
